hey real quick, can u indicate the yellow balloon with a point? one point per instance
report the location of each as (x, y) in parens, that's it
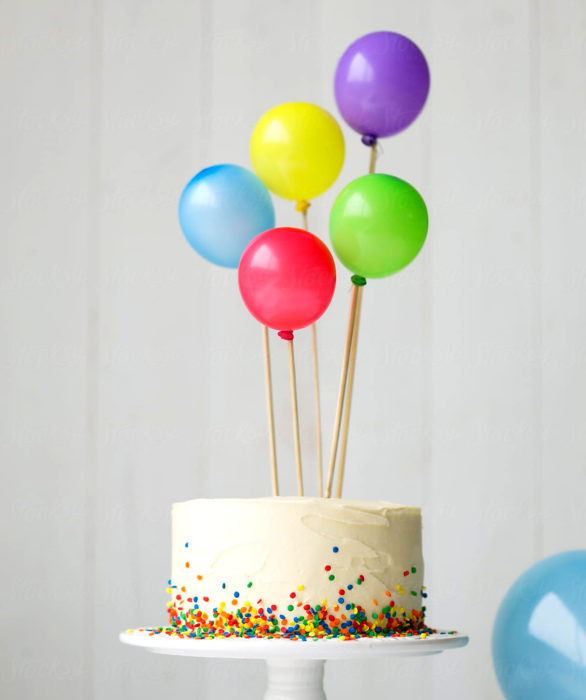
(297, 150)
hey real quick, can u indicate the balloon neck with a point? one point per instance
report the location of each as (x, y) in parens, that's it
(358, 280)
(369, 140)
(285, 335)
(302, 206)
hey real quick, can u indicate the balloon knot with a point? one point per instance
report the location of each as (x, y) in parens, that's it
(302, 206)
(286, 335)
(358, 280)
(369, 140)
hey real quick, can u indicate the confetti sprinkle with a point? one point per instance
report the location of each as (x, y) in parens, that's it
(302, 620)
(335, 550)
(190, 622)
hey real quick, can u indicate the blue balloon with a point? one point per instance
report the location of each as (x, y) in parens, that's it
(222, 209)
(539, 636)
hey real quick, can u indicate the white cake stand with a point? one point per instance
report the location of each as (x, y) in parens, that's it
(295, 669)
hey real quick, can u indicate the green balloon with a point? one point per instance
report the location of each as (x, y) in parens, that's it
(378, 225)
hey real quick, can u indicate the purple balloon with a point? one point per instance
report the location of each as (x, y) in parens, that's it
(381, 84)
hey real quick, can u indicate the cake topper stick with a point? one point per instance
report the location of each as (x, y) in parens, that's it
(303, 206)
(372, 143)
(270, 411)
(372, 156)
(288, 336)
(318, 441)
(348, 401)
(342, 389)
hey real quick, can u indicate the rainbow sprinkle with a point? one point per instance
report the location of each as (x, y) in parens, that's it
(314, 622)
(344, 620)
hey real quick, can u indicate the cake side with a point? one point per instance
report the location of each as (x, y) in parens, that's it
(295, 567)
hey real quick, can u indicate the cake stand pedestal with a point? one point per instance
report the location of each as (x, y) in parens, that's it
(295, 670)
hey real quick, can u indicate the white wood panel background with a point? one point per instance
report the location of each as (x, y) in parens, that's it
(132, 377)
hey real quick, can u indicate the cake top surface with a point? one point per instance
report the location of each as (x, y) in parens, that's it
(303, 501)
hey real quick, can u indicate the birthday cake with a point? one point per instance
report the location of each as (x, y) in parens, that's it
(296, 568)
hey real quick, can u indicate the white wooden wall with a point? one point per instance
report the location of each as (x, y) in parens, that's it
(132, 376)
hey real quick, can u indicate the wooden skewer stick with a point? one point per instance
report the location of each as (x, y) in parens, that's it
(352, 363)
(372, 158)
(348, 401)
(303, 206)
(320, 475)
(304, 216)
(270, 411)
(295, 412)
(342, 390)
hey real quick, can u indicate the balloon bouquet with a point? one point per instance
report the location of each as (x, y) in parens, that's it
(378, 223)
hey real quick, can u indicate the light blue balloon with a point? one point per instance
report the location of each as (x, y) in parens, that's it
(222, 209)
(539, 636)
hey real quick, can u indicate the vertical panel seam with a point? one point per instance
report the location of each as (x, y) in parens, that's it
(427, 323)
(537, 276)
(427, 302)
(203, 150)
(92, 339)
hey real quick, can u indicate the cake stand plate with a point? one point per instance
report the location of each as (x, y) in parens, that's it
(295, 669)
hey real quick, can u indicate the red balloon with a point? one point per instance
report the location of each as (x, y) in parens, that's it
(287, 278)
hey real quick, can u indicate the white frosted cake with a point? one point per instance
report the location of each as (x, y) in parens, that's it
(295, 568)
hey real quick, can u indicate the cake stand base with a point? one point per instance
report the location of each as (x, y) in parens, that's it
(295, 680)
(295, 670)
